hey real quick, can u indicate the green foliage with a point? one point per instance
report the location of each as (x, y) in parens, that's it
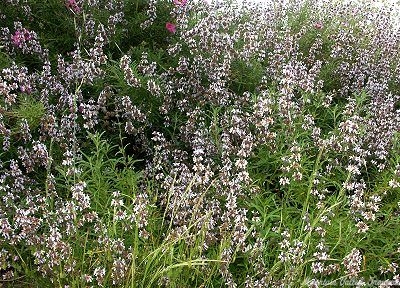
(246, 76)
(300, 193)
(5, 60)
(29, 109)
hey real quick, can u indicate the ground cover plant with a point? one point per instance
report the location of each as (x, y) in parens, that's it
(193, 144)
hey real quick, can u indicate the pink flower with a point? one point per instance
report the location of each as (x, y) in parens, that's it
(21, 36)
(25, 89)
(170, 27)
(17, 38)
(73, 5)
(318, 25)
(27, 35)
(180, 2)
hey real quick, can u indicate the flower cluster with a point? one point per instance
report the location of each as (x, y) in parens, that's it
(71, 4)
(179, 4)
(245, 137)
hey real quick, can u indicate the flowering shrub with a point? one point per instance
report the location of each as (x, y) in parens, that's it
(181, 143)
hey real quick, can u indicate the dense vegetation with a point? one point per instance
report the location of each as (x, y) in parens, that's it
(186, 144)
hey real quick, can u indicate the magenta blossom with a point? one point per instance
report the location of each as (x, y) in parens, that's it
(318, 25)
(170, 27)
(73, 5)
(180, 2)
(21, 36)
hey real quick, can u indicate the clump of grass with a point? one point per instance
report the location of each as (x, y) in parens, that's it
(29, 109)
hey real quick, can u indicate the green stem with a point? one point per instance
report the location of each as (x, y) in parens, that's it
(310, 186)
